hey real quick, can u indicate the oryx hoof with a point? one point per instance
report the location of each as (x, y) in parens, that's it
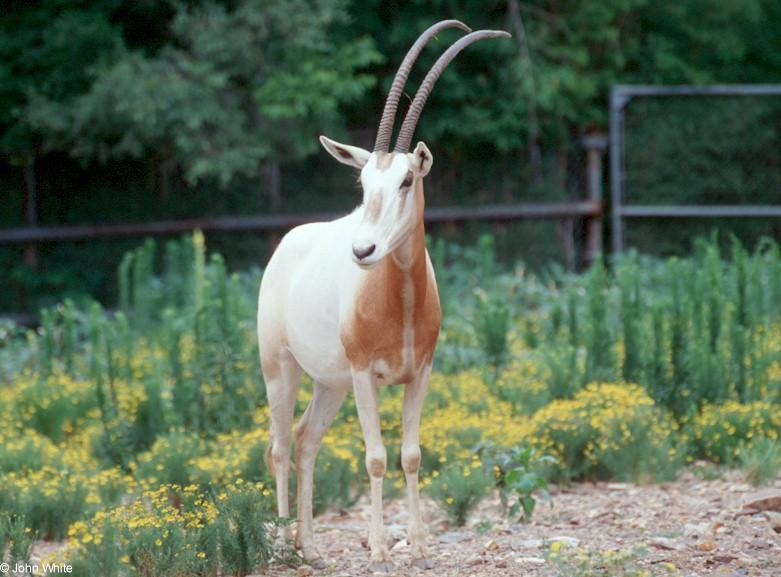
(380, 566)
(317, 563)
(424, 563)
(313, 558)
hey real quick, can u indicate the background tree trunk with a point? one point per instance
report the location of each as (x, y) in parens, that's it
(30, 206)
(273, 184)
(532, 145)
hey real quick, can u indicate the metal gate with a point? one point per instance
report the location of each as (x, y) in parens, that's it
(709, 144)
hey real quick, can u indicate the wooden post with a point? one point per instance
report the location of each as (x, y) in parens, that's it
(595, 145)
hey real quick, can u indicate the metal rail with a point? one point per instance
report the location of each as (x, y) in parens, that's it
(266, 223)
(703, 211)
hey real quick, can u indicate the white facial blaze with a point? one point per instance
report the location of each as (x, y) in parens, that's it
(388, 208)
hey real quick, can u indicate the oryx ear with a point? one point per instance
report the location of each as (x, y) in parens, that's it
(344, 153)
(421, 159)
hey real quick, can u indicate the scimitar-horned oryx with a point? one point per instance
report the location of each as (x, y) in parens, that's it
(354, 303)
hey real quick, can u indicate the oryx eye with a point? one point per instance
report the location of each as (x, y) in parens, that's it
(407, 181)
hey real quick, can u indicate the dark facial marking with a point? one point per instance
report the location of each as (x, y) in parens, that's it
(407, 180)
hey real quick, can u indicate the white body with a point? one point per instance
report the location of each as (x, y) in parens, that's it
(313, 284)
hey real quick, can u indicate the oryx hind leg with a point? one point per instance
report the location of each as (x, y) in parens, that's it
(282, 375)
(315, 421)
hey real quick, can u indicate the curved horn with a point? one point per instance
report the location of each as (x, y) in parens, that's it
(413, 114)
(392, 102)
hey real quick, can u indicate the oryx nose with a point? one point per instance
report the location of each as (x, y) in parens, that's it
(361, 252)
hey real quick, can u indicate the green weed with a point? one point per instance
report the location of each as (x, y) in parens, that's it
(609, 563)
(760, 459)
(458, 489)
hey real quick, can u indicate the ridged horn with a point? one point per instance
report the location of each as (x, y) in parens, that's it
(382, 143)
(413, 114)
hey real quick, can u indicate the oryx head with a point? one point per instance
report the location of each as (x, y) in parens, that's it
(391, 181)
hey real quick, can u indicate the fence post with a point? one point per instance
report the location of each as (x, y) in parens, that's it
(595, 145)
(618, 100)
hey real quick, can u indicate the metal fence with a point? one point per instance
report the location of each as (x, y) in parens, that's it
(693, 152)
(577, 212)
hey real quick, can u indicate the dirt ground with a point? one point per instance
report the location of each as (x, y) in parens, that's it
(699, 526)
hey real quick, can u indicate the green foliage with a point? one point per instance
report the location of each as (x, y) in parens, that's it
(717, 431)
(336, 483)
(608, 563)
(607, 431)
(598, 338)
(242, 535)
(28, 453)
(208, 379)
(692, 331)
(16, 540)
(760, 459)
(234, 87)
(168, 461)
(492, 324)
(180, 531)
(46, 500)
(46, 51)
(167, 390)
(521, 473)
(458, 489)
(55, 405)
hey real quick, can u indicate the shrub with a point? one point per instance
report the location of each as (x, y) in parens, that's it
(48, 499)
(524, 383)
(16, 540)
(464, 413)
(176, 530)
(170, 460)
(491, 325)
(606, 431)
(760, 459)
(232, 456)
(26, 451)
(611, 562)
(53, 405)
(241, 530)
(335, 482)
(459, 488)
(717, 431)
(520, 474)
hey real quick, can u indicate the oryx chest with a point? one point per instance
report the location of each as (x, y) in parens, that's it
(385, 332)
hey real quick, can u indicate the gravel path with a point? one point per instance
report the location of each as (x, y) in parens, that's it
(699, 526)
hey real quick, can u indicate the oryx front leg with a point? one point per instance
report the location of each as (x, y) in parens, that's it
(366, 402)
(414, 394)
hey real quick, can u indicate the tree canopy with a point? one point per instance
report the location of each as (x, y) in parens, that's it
(217, 88)
(232, 87)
